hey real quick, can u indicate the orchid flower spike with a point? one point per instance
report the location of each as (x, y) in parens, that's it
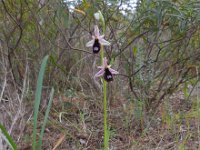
(106, 71)
(97, 41)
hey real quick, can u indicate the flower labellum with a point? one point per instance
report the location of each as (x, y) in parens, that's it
(97, 41)
(96, 46)
(108, 75)
(106, 71)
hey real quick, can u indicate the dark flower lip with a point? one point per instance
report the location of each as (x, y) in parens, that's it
(96, 46)
(108, 75)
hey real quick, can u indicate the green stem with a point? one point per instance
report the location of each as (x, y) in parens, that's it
(106, 132)
(106, 136)
(102, 54)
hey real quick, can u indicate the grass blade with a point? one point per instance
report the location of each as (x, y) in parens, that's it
(46, 118)
(38, 98)
(9, 138)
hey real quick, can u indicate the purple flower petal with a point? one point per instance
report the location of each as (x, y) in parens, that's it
(100, 73)
(90, 43)
(113, 71)
(101, 36)
(100, 67)
(105, 62)
(104, 42)
(96, 31)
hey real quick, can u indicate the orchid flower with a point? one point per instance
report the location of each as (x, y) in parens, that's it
(106, 71)
(97, 41)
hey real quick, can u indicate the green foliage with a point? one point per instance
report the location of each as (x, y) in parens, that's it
(46, 118)
(37, 104)
(181, 147)
(8, 139)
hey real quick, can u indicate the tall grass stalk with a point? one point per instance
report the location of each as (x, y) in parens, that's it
(38, 99)
(46, 118)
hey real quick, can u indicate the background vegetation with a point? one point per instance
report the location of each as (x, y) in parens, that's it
(154, 101)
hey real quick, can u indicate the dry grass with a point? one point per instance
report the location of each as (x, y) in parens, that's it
(75, 121)
(148, 105)
(76, 117)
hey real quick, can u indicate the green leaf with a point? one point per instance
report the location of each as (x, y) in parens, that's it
(9, 138)
(46, 118)
(38, 98)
